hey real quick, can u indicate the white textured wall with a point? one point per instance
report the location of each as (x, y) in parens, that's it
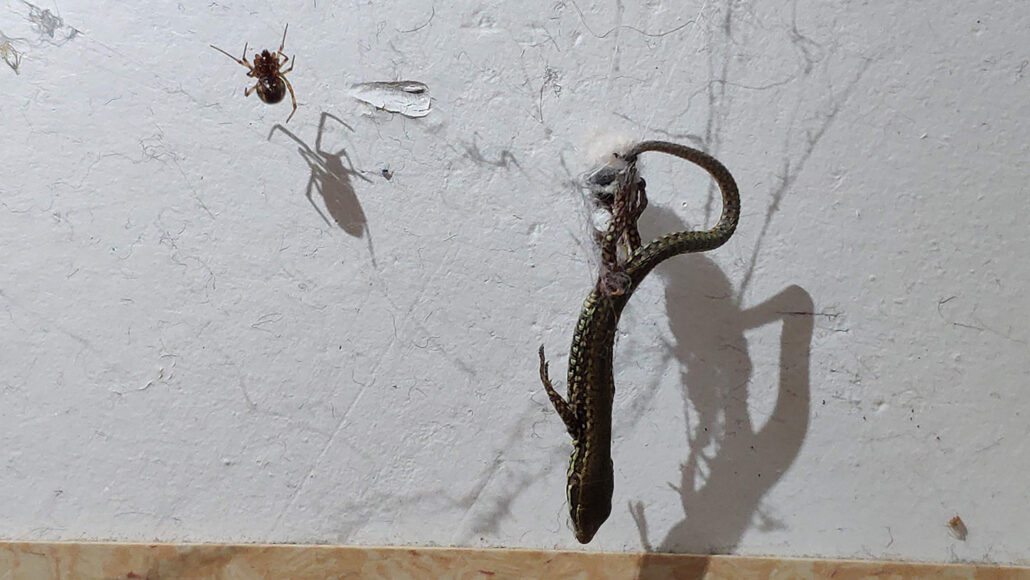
(189, 352)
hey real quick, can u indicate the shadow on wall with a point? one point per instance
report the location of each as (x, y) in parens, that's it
(332, 180)
(721, 491)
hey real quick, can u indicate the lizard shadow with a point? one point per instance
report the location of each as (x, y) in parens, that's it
(721, 490)
(332, 180)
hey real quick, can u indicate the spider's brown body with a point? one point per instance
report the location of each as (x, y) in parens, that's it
(272, 84)
(271, 87)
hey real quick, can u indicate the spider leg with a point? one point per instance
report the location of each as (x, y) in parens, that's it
(283, 43)
(247, 92)
(243, 62)
(292, 96)
(285, 58)
(282, 72)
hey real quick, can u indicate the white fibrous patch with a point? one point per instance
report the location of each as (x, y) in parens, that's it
(603, 155)
(602, 144)
(600, 166)
(409, 98)
(8, 53)
(600, 218)
(599, 181)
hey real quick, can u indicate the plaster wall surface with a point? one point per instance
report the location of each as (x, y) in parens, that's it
(194, 350)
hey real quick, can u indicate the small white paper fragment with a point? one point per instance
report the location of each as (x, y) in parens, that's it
(409, 98)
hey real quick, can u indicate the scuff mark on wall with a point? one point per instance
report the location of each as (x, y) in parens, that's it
(10, 54)
(48, 24)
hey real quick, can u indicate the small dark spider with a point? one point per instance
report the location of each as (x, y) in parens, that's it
(268, 70)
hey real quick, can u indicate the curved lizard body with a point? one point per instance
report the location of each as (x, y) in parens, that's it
(587, 413)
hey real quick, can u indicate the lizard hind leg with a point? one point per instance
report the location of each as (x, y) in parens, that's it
(564, 409)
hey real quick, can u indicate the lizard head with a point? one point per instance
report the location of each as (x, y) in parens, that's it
(590, 501)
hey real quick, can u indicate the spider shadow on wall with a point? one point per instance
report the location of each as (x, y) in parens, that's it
(731, 463)
(331, 177)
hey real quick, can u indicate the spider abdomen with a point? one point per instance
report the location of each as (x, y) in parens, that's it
(271, 90)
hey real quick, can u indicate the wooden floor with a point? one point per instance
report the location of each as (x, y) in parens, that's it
(115, 561)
